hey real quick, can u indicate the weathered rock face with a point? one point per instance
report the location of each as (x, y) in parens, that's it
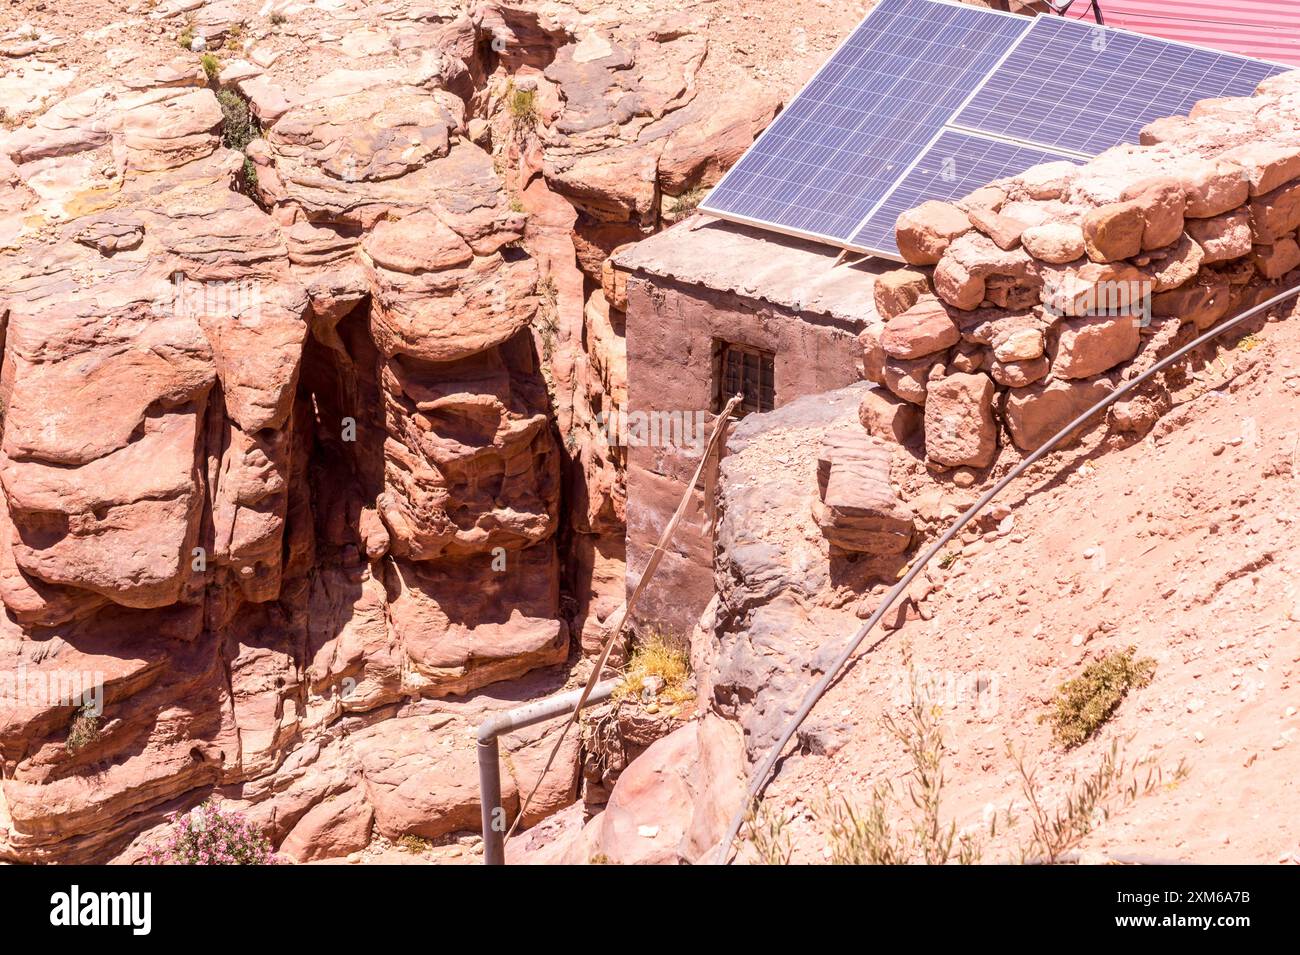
(328, 398)
(261, 466)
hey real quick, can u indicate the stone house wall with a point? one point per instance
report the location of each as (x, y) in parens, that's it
(673, 333)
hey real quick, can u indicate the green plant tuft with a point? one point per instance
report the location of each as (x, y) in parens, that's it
(211, 66)
(523, 108)
(1085, 703)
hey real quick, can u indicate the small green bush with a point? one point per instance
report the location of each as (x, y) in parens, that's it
(1085, 703)
(523, 108)
(211, 66)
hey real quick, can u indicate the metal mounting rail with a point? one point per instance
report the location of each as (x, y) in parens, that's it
(489, 761)
(760, 778)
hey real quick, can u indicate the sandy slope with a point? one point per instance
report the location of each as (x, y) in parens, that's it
(1181, 545)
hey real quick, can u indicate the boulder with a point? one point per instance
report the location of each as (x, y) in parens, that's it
(1275, 213)
(1274, 261)
(1093, 288)
(1017, 374)
(925, 232)
(889, 418)
(959, 426)
(1211, 186)
(1197, 303)
(873, 353)
(1047, 181)
(1018, 344)
(1004, 230)
(422, 782)
(908, 378)
(1114, 231)
(1265, 166)
(1163, 204)
(1083, 347)
(1054, 242)
(924, 329)
(898, 290)
(1223, 237)
(857, 508)
(332, 828)
(1036, 413)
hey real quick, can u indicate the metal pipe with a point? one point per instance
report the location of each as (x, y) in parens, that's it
(760, 778)
(489, 761)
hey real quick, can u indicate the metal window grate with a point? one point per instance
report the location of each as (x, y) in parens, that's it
(748, 372)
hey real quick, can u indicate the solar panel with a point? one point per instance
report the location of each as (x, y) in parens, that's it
(1077, 86)
(869, 112)
(956, 165)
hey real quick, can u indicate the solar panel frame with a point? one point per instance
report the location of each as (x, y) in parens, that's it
(1028, 96)
(980, 159)
(849, 215)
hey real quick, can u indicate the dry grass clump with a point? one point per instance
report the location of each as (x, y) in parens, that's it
(84, 729)
(657, 655)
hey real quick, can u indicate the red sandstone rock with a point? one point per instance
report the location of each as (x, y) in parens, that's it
(1163, 202)
(857, 508)
(873, 353)
(959, 425)
(1054, 242)
(924, 329)
(1018, 374)
(1093, 287)
(1174, 265)
(1223, 237)
(957, 285)
(1047, 181)
(1275, 213)
(1266, 165)
(889, 418)
(924, 233)
(333, 827)
(898, 290)
(1004, 230)
(1114, 231)
(1274, 261)
(1083, 347)
(1202, 305)
(908, 378)
(1212, 186)
(1036, 413)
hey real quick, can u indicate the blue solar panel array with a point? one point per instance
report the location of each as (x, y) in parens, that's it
(930, 99)
(955, 166)
(1077, 86)
(866, 115)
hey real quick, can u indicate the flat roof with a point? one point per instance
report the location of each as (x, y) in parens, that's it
(797, 274)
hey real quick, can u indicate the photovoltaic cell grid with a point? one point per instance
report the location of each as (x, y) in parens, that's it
(1076, 86)
(956, 165)
(866, 115)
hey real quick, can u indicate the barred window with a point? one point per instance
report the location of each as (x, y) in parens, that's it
(749, 372)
